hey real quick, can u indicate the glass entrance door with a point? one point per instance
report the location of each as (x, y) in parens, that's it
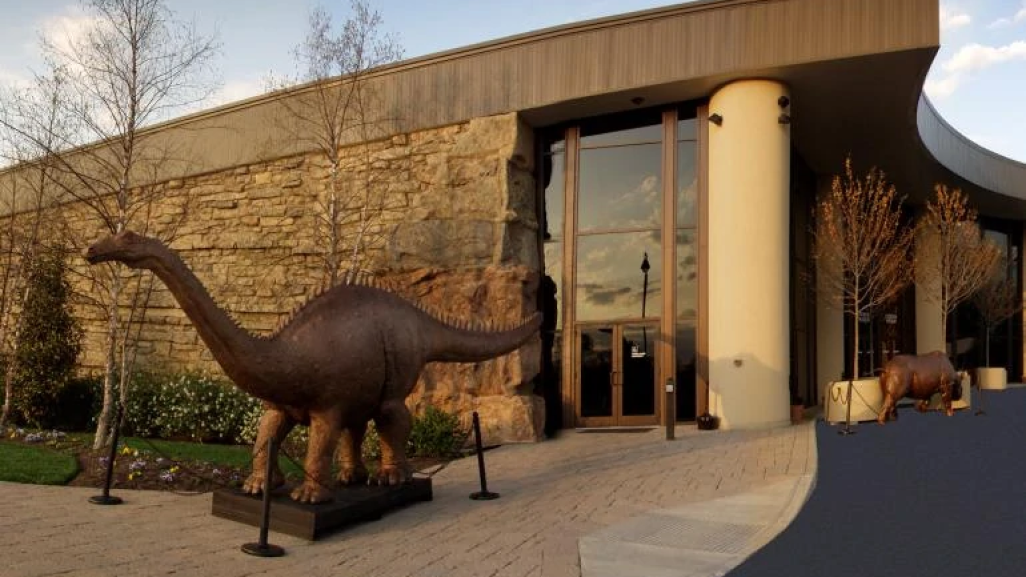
(616, 377)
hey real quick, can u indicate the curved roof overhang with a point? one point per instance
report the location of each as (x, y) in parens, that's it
(855, 69)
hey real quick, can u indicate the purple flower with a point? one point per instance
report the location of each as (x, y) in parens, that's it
(167, 477)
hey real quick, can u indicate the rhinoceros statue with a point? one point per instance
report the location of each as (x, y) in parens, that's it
(918, 377)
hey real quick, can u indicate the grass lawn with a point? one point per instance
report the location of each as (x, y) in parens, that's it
(229, 455)
(35, 464)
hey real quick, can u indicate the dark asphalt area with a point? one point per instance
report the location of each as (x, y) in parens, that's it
(924, 495)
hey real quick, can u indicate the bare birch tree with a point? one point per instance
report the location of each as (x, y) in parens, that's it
(137, 64)
(860, 247)
(955, 259)
(997, 300)
(339, 107)
(26, 196)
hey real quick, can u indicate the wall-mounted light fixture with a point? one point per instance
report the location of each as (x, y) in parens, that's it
(716, 119)
(783, 102)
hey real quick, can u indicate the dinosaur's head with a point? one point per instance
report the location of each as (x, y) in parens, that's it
(126, 246)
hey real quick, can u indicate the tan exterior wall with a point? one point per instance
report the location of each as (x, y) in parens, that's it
(461, 239)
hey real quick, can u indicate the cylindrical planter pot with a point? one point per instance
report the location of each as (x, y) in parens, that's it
(866, 401)
(992, 377)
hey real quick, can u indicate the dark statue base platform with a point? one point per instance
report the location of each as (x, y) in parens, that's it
(350, 506)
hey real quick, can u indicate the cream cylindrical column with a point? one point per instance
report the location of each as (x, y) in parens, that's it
(830, 350)
(748, 200)
(929, 332)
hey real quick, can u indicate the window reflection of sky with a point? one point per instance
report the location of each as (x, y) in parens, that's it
(687, 275)
(620, 188)
(554, 270)
(687, 185)
(555, 167)
(610, 283)
(653, 133)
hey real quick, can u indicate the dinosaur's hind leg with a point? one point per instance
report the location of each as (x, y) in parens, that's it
(274, 422)
(393, 423)
(325, 426)
(350, 458)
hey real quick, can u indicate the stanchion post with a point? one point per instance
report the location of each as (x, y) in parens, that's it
(106, 498)
(262, 548)
(847, 430)
(979, 393)
(484, 494)
(670, 413)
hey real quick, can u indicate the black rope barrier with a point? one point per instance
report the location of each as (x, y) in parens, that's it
(484, 494)
(262, 548)
(106, 498)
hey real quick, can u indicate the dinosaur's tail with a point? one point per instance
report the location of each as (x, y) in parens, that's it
(469, 345)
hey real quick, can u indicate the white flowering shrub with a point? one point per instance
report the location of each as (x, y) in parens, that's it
(189, 407)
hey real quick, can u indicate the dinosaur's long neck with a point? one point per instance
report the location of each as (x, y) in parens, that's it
(230, 344)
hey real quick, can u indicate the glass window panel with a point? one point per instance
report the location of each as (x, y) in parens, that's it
(687, 184)
(687, 275)
(553, 182)
(620, 188)
(687, 129)
(639, 371)
(685, 372)
(641, 134)
(552, 285)
(596, 366)
(610, 282)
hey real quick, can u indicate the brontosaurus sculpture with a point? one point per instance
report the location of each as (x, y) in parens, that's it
(349, 355)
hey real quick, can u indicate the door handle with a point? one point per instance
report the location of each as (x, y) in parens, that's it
(612, 379)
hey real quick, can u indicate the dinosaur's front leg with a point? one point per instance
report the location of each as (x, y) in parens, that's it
(393, 423)
(325, 427)
(351, 469)
(274, 422)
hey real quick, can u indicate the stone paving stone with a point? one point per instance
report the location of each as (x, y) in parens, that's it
(553, 493)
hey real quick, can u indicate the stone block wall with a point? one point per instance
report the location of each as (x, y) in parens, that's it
(460, 237)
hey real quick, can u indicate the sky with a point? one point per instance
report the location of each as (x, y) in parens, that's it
(977, 82)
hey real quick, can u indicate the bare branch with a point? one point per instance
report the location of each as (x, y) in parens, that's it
(860, 249)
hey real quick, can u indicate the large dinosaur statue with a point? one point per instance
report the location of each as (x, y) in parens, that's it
(349, 355)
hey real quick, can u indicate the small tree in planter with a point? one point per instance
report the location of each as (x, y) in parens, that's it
(997, 300)
(955, 260)
(861, 250)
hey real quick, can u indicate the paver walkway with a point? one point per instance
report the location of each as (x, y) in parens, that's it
(553, 494)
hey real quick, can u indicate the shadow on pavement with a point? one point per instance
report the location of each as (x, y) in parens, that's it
(926, 495)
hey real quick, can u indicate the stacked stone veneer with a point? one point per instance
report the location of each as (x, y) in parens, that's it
(460, 237)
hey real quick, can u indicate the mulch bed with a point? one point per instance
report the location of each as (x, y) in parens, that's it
(147, 470)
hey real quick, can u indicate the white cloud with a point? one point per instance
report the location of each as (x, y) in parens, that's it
(937, 89)
(974, 57)
(951, 21)
(1006, 22)
(235, 90)
(967, 60)
(68, 28)
(11, 79)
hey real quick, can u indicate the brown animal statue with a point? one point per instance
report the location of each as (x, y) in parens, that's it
(349, 355)
(918, 377)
